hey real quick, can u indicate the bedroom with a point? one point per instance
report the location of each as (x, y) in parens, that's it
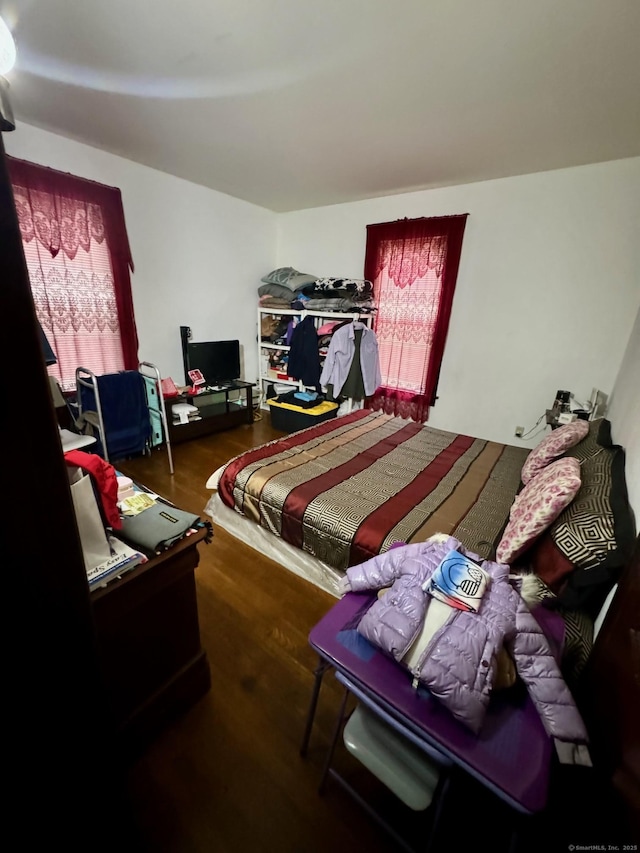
(527, 240)
(549, 273)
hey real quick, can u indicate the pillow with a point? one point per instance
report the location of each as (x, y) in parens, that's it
(587, 545)
(552, 446)
(599, 436)
(537, 506)
(300, 281)
(277, 290)
(288, 277)
(586, 529)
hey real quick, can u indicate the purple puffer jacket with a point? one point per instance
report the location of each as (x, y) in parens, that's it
(459, 663)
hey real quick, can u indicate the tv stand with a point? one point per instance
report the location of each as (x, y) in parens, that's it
(217, 411)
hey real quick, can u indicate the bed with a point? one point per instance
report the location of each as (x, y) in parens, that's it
(334, 495)
(338, 493)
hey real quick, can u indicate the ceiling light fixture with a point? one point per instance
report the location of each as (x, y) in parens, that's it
(7, 49)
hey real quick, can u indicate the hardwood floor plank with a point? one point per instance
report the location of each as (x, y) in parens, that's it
(227, 776)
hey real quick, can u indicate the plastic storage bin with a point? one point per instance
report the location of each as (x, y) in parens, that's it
(291, 418)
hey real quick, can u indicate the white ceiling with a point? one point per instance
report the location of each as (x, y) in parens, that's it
(292, 104)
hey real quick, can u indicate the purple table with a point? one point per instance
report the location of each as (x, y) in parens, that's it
(512, 754)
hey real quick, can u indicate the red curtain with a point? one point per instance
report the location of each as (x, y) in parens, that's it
(413, 264)
(74, 231)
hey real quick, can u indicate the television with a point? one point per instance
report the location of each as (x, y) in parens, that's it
(218, 361)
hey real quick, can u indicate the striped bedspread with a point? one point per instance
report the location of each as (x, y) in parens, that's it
(349, 488)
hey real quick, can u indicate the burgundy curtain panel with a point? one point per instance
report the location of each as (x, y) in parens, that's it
(63, 213)
(413, 264)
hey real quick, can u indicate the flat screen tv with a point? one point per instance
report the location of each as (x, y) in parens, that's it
(218, 361)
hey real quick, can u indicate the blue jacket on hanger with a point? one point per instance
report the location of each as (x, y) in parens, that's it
(304, 355)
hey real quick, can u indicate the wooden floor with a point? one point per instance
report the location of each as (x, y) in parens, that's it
(228, 777)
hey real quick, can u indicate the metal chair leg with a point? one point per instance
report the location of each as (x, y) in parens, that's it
(319, 672)
(400, 841)
(438, 805)
(334, 741)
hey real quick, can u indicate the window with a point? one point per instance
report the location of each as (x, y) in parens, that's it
(77, 253)
(413, 264)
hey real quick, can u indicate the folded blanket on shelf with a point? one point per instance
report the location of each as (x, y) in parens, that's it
(273, 302)
(354, 285)
(346, 306)
(278, 291)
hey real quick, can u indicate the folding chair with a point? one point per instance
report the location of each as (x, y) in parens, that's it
(408, 766)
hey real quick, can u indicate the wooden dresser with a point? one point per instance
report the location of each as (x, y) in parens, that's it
(148, 635)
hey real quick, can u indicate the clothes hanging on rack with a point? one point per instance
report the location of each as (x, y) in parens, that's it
(347, 372)
(354, 383)
(304, 357)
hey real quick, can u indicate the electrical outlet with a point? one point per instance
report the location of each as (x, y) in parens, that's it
(519, 431)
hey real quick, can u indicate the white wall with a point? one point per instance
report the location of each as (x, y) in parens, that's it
(198, 254)
(547, 291)
(624, 414)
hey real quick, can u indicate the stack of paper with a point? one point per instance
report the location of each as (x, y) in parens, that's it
(123, 558)
(136, 503)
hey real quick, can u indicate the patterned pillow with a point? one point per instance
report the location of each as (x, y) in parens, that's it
(552, 446)
(537, 506)
(595, 534)
(288, 277)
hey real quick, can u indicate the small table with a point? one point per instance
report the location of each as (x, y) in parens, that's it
(512, 754)
(216, 411)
